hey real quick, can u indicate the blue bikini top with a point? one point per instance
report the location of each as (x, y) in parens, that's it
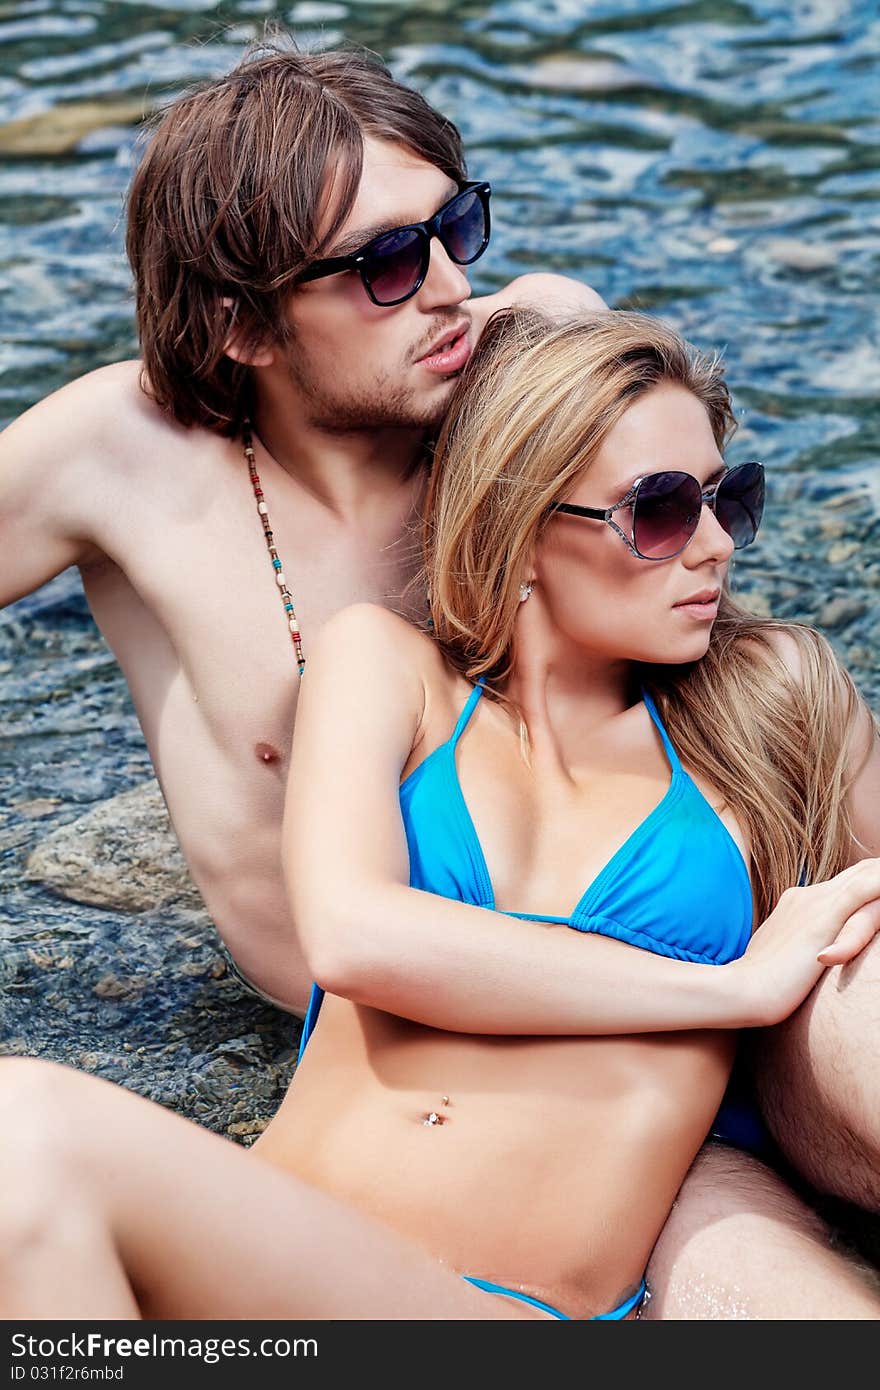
(678, 886)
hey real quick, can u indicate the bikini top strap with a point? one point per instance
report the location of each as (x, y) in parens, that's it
(466, 713)
(671, 754)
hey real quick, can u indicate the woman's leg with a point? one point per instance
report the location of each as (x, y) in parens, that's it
(112, 1207)
(739, 1244)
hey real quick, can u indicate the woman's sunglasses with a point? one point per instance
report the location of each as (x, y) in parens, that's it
(666, 510)
(393, 265)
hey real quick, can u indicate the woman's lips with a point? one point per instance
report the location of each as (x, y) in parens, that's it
(703, 612)
(451, 359)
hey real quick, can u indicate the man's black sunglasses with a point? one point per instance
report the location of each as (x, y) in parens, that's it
(393, 265)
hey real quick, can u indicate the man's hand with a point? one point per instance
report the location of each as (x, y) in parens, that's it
(557, 295)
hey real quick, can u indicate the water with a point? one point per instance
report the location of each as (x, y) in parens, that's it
(718, 163)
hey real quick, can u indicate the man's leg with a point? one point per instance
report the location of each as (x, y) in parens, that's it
(739, 1244)
(817, 1080)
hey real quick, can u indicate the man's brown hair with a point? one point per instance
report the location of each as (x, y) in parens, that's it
(226, 203)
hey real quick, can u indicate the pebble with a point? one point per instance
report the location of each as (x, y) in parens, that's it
(195, 968)
(246, 1127)
(805, 256)
(579, 73)
(41, 959)
(113, 987)
(34, 810)
(837, 612)
(843, 551)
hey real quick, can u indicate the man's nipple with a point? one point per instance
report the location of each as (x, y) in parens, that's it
(267, 753)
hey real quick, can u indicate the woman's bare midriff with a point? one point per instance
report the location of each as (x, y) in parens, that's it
(549, 1166)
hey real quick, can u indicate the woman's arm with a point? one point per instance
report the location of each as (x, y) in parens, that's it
(371, 938)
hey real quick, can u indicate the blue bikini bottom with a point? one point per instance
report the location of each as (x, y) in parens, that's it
(616, 1313)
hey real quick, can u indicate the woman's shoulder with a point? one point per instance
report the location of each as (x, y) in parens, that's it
(807, 667)
(797, 655)
(787, 644)
(366, 637)
(362, 623)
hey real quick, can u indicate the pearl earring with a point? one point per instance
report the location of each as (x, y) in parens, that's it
(524, 591)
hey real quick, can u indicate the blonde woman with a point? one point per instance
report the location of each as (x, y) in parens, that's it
(526, 855)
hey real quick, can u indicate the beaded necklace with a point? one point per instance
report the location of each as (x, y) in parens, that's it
(286, 595)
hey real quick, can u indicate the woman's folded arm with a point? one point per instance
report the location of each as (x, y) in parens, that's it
(371, 938)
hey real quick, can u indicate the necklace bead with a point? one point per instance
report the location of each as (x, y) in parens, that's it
(263, 513)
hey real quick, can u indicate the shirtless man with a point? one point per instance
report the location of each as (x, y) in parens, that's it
(155, 505)
(291, 160)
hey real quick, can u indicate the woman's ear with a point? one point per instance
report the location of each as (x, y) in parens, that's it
(236, 345)
(530, 568)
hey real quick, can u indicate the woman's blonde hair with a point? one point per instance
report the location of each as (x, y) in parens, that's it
(529, 414)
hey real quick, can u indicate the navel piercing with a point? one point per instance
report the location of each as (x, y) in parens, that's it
(524, 591)
(432, 1118)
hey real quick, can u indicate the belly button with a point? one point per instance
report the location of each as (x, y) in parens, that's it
(267, 754)
(433, 1118)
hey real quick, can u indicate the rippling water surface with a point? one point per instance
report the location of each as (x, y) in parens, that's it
(718, 163)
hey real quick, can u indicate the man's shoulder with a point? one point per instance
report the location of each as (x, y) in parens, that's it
(104, 416)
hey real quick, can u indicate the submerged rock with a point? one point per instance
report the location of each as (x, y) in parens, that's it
(122, 854)
(59, 130)
(147, 1000)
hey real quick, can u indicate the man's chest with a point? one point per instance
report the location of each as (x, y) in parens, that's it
(192, 604)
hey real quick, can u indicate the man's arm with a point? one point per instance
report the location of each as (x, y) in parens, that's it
(48, 468)
(556, 295)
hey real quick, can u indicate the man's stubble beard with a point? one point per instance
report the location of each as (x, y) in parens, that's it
(383, 406)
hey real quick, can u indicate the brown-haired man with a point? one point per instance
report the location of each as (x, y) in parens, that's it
(137, 473)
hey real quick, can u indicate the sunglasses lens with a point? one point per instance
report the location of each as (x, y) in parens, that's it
(464, 227)
(739, 503)
(666, 514)
(395, 265)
